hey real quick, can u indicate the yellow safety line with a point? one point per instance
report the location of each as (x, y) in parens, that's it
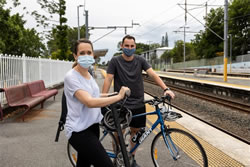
(104, 74)
(216, 158)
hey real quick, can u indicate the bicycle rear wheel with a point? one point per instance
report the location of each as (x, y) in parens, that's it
(72, 154)
(108, 141)
(186, 149)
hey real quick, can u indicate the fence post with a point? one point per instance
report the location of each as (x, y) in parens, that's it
(50, 69)
(24, 68)
(40, 67)
(1, 112)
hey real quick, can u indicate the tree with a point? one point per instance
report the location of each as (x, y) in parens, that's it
(162, 41)
(177, 53)
(166, 40)
(60, 34)
(239, 26)
(206, 43)
(15, 39)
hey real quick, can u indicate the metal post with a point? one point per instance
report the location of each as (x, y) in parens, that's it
(24, 68)
(225, 39)
(40, 67)
(184, 57)
(230, 35)
(86, 25)
(78, 27)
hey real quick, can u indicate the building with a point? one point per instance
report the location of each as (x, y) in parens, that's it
(148, 55)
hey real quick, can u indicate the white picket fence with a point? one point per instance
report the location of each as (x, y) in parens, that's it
(15, 70)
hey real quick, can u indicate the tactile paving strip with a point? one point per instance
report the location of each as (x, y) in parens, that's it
(216, 158)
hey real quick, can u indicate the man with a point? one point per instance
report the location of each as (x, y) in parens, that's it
(126, 70)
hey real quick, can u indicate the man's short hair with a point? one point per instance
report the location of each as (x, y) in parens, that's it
(128, 37)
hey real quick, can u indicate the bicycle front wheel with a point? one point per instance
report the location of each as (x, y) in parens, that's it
(180, 149)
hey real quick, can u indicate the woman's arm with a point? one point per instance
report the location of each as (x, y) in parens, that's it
(85, 98)
(108, 94)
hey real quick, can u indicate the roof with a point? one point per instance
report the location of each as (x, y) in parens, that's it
(164, 48)
(100, 52)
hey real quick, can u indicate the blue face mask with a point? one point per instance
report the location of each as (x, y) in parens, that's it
(85, 61)
(128, 52)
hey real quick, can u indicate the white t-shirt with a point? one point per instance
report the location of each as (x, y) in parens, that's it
(79, 116)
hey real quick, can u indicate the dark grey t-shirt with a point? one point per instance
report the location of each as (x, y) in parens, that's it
(129, 73)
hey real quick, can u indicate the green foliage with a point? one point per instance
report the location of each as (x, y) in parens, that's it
(206, 43)
(177, 53)
(59, 44)
(239, 22)
(15, 39)
(141, 47)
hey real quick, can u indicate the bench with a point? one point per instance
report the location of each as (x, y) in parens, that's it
(27, 95)
(201, 72)
(37, 88)
(20, 96)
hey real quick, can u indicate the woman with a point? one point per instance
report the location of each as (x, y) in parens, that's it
(84, 114)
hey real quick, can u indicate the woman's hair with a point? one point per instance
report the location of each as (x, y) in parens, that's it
(83, 40)
(77, 43)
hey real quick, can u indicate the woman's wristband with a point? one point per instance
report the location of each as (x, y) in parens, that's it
(166, 89)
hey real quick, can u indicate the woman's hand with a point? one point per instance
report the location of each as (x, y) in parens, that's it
(123, 91)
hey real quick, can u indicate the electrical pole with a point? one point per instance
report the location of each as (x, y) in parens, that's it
(78, 28)
(225, 39)
(184, 57)
(230, 35)
(86, 24)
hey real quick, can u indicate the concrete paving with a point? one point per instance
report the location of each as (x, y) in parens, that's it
(31, 143)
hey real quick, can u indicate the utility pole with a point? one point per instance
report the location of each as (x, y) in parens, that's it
(225, 39)
(184, 57)
(86, 24)
(78, 28)
(230, 35)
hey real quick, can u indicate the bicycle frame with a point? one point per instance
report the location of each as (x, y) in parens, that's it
(149, 131)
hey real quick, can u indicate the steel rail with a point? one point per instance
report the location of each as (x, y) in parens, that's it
(218, 100)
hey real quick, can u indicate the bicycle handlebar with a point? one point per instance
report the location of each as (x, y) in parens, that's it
(155, 101)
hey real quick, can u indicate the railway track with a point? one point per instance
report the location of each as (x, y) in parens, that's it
(243, 107)
(225, 102)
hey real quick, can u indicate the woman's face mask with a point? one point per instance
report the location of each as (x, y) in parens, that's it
(85, 61)
(128, 52)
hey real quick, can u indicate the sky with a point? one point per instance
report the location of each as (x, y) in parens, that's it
(155, 19)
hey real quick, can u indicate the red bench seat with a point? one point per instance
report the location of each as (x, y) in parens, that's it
(20, 95)
(37, 88)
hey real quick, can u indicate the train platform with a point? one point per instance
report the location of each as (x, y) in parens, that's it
(222, 150)
(232, 82)
(31, 143)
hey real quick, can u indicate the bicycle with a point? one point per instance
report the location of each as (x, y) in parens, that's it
(181, 148)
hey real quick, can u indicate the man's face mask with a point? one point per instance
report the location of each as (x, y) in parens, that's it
(128, 52)
(85, 61)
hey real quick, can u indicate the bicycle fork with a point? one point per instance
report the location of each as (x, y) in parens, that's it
(169, 143)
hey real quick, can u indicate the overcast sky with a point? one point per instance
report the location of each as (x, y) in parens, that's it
(156, 17)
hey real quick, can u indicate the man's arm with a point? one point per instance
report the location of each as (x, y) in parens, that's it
(107, 83)
(159, 82)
